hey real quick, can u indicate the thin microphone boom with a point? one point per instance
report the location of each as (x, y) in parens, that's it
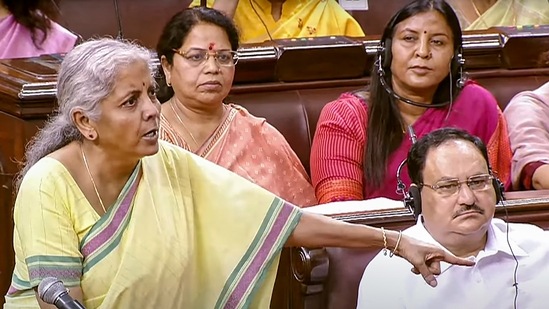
(403, 99)
(118, 19)
(264, 25)
(381, 74)
(66, 23)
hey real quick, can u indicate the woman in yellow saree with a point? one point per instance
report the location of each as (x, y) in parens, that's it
(126, 221)
(262, 20)
(483, 14)
(139, 239)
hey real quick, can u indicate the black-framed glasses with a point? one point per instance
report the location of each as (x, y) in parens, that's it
(451, 186)
(198, 56)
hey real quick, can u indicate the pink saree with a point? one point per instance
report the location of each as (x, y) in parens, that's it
(16, 40)
(252, 148)
(338, 146)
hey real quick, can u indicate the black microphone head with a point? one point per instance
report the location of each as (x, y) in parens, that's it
(50, 288)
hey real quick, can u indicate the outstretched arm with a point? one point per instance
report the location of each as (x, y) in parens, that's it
(226, 6)
(315, 231)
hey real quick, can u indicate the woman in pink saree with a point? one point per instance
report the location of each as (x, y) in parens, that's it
(197, 51)
(26, 30)
(417, 82)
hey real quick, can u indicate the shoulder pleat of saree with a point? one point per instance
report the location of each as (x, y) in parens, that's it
(240, 231)
(199, 237)
(105, 235)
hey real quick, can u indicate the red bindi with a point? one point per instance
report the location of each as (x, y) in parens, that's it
(211, 47)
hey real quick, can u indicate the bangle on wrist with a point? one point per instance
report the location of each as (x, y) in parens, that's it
(385, 249)
(397, 243)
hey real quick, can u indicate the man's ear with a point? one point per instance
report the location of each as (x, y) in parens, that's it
(167, 69)
(85, 125)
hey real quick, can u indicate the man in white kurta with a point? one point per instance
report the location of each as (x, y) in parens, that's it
(389, 283)
(461, 222)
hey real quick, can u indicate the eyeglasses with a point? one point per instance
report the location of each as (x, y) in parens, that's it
(452, 186)
(198, 56)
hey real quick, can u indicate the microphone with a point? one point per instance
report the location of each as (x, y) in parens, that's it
(120, 35)
(261, 19)
(79, 38)
(52, 291)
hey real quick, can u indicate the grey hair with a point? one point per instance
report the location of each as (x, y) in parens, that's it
(86, 77)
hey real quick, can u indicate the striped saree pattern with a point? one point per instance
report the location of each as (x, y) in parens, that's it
(66, 268)
(280, 221)
(184, 233)
(105, 235)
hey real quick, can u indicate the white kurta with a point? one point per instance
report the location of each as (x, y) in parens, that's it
(389, 283)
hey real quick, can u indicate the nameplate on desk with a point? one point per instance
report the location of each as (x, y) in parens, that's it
(524, 30)
(525, 46)
(320, 58)
(353, 207)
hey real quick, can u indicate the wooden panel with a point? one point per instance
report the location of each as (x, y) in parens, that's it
(14, 133)
(141, 20)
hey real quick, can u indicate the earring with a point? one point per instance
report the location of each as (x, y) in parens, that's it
(168, 84)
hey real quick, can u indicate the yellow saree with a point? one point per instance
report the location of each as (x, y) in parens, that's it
(252, 148)
(184, 233)
(509, 13)
(299, 18)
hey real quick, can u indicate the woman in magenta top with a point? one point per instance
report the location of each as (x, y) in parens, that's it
(26, 30)
(417, 81)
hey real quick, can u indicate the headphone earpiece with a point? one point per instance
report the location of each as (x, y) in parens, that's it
(499, 187)
(412, 200)
(387, 54)
(379, 60)
(384, 57)
(456, 68)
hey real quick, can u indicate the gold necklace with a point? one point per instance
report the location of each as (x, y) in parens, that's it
(91, 177)
(181, 121)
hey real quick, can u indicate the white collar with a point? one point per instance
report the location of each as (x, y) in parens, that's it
(496, 241)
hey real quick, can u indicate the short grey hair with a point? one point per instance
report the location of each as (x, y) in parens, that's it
(86, 77)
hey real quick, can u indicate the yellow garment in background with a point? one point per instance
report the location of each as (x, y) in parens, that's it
(512, 13)
(299, 18)
(184, 233)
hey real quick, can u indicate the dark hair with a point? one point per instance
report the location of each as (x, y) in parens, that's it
(176, 31)
(418, 153)
(36, 15)
(384, 130)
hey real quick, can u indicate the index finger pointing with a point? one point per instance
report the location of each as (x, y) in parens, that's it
(452, 259)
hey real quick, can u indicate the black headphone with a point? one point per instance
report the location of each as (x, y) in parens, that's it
(412, 197)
